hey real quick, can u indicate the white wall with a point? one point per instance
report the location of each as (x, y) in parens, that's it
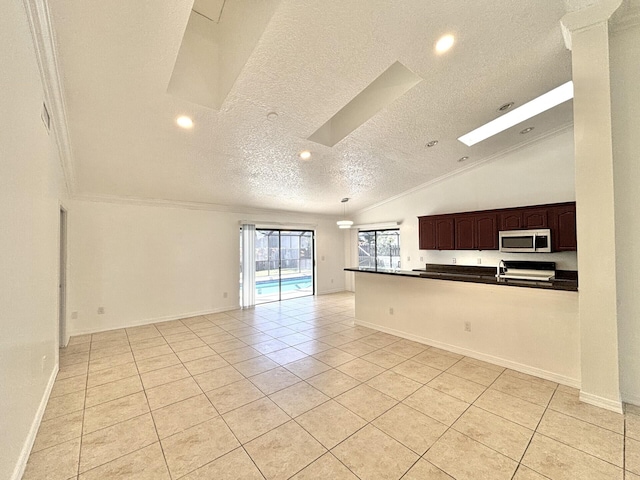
(146, 263)
(30, 182)
(625, 58)
(539, 173)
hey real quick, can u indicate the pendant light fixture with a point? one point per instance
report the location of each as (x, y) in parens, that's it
(344, 223)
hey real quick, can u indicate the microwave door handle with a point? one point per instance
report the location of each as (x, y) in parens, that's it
(535, 243)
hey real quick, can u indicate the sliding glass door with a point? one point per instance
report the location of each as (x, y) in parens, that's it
(283, 264)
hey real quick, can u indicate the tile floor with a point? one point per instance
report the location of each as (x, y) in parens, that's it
(295, 390)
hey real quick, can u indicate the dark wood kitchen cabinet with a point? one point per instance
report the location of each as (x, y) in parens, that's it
(476, 232)
(563, 226)
(524, 217)
(437, 232)
(427, 233)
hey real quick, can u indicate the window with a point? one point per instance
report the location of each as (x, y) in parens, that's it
(379, 249)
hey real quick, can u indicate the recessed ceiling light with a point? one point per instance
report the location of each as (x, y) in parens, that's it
(463, 159)
(305, 155)
(524, 112)
(184, 122)
(445, 43)
(272, 116)
(505, 107)
(432, 143)
(526, 130)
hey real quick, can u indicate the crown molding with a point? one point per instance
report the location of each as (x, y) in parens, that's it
(491, 158)
(44, 44)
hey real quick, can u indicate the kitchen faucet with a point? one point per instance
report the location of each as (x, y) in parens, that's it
(499, 272)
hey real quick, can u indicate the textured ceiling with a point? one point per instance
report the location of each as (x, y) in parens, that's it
(314, 56)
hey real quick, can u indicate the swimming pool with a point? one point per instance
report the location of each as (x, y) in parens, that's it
(266, 287)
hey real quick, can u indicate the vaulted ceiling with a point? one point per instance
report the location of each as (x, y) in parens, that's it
(127, 75)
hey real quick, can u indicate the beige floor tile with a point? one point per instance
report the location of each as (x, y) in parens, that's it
(145, 464)
(155, 363)
(360, 369)
(72, 371)
(109, 335)
(110, 362)
(457, 387)
(366, 402)
(480, 363)
(416, 371)
(218, 378)
(69, 385)
(406, 348)
(144, 353)
(197, 446)
(394, 384)
(295, 339)
(217, 337)
(632, 426)
(83, 347)
(384, 358)
(597, 441)
(173, 392)
(232, 466)
(333, 382)
(561, 462)
(631, 476)
(55, 463)
(58, 430)
(475, 373)
(512, 408)
(105, 445)
(298, 398)
(632, 409)
(307, 367)
(234, 395)
(334, 357)
(286, 355)
(111, 391)
(529, 391)
(632, 455)
(273, 380)
(111, 374)
(372, 454)
(410, 427)
(465, 459)
(358, 348)
(379, 340)
(205, 364)
(64, 405)
(269, 346)
(255, 419)
(424, 470)
(336, 339)
(313, 347)
(240, 354)
(437, 405)
(142, 343)
(164, 375)
(435, 360)
(179, 416)
(195, 353)
(228, 345)
(507, 438)
(571, 405)
(255, 366)
(187, 344)
(115, 411)
(284, 451)
(525, 473)
(74, 359)
(531, 378)
(108, 351)
(77, 339)
(326, 467)
(330, 423)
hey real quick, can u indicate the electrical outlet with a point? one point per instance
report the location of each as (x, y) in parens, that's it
(408, 259)
(225, 295)
(479, 261)
(467, 326)
(100, 310)
(74, 315)
(390, 310)
(421, 259)
(453, 261)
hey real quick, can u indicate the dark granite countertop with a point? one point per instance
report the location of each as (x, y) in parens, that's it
(565, 279)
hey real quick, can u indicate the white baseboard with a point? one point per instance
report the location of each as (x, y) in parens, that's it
(147, 321)
(632, 399)
(520, 367)
(327, 292)
(613, 405)
(18, 471)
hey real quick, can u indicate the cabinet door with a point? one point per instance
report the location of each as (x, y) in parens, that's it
(427, 233)
(465, 232)
(511, 220)
(486, 232)
(564, 236)
(535, 218)
(445, 233)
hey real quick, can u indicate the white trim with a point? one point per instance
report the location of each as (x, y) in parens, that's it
(377, 226)
(607, 404)
(147, 321)
(44, 44)
(279, 225)
(20, 467)
(630, 398)
(472, 166)
(520, 367)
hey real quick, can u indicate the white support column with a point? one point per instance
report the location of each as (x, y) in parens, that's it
(587, 34)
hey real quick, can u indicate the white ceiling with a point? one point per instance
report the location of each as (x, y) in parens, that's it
(116, 58)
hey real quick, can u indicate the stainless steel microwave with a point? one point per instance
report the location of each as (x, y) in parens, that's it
(537, 241)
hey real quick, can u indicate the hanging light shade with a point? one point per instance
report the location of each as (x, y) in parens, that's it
(344, 223)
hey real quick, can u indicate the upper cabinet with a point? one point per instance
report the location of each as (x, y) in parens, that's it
(479, 230)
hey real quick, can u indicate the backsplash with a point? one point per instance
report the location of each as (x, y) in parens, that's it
(490, 258)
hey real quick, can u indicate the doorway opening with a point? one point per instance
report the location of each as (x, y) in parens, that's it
(62, 281)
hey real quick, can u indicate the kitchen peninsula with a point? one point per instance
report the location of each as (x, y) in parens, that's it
(533, 329)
